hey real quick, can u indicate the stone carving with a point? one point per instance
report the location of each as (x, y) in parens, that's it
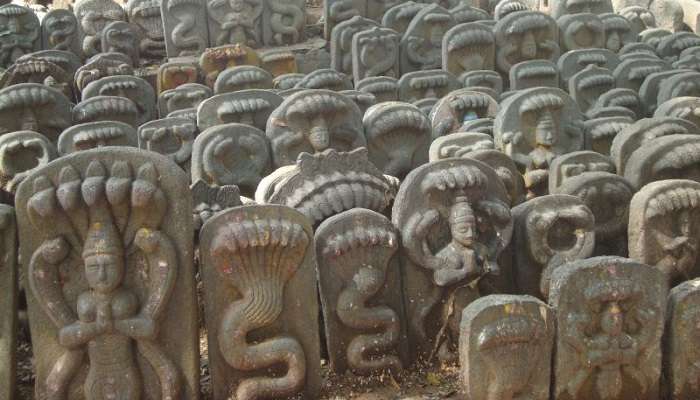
(136, 89)
(215, 60)
(459, 145)
(106, 108)
(145, 14)
(533, 127)
(363, 100)
(312, 121)
(683, 84)
(687, 108)
(107, 235)
(103, 65)
(484, 79)
(337, 11)
(481, 125)
(377, 8)
(360, 289)
(637, 49)
(605, 112)
(576, 163)
(241, 78)
(581, 31)
(589, 84)
(251, 107)
(558, 9)
(258, 275)
(652, 36)
(21, 33)
(91, 135)
(426, 105)
(504, 8)
(621, 97)
(455, 221)
(640, 18)
(688, 61)
(171, 137)
(69, 62)
(122, 37)
(209, 200)
(285, 20)
(28, 69)
(464, 13)
(418, 85)
(20, 153)
(649, 91)
(631, 73)
(618, 31)
(59, 31)
(574, 61)
(375, 52)
(468, 47)
(176, 73)
(523, 36)
(8, 303)
(506, 170)
(189, 95)
(325, 79)
(400, 16)
(460, 106)
(680, 356)
(184, 23)
(383, 88)
(34, 107)
(398, 136)
(235, 21)
(505, 348)
(533, 73)
(189, 113)
(666, 157)
(279, 61)
(93, 16)
(671, 46)
(610, 314)
(422, 43)
(342, 39)
(287, 81)
(231, 154)
(600, 132)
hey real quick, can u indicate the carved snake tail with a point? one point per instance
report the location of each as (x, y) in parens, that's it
(164, 369)
(179, 36)
(280, 29)
(63, 371)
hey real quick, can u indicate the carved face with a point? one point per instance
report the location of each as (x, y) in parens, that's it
(545, 127)
(104, 272)
(463, 224)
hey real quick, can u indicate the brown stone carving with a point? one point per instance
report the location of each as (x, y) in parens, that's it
(189, 95)
(21, 33)
(666, 157)
(341, 42)
(171, 137)
(505, 348)
(103, 65)
(106, 108)
(215, 60)
(8, 303)
(459, 145)
(241, 78)
(211, 199)
(235, 21)
(506, 171)
(460, 106)
(581, 31)
(251, 107)
(145, 14)
(468, 47)
(259, 273)
(421, 45)
(360, 287)
(284, 22)
(59, 31)
(600, 132)
(184, 26)
(586, 86)
(454, 217)
(91, 135)
(328, 79)
(93, 16)
(34, 107)
(20, 153)
(610, 314)
(312, 121)
(533, 73)
(136, 89)
(687, 108)
(523, 36)
(173, 74)
(418, 85)
(680, 355)
(107, 235)
(375, 52)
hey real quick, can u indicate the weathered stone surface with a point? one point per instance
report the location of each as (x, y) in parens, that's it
(215, 60)
(649, 91)
(581, 31)
(400, 16)
(107, 108)
(173, 74)
(262, 290)
(666, 157)
(454, 218)
(621, 97)
(586, 86)
(574, 61)
(576, 163)
(468, 47)
(184, 26)
(189, 95)
(171, 137)
(671, 46)
(34, 107)
(241, 78)
(505, 347)
(421, 44)
(680, 354)
(600, 132)
(458, 107)
(637, 49)
(91, 135)
(312, 121)
(610, 314)
(231, 22)
(506, 7)
(328, 79)
(684, 84)
(342, 39)
(337, 11)
(103, 65)
(145, 14)
(640, 18)
(533, 73)
(251, 107)
(189, 113)
(560, 8)
(481, 125)
(506, 171)
(689, 61)
(418, 85)
(22, 33)
(60, 31)
(630, 73)
(8, 303)
(618, 31)
(208, 200)
(68, 61)
(605, 112)
(231, 154)
(381, 87)
(375, 52)
(360, 285)
(279, 62)
(93, 16)
(549, 231)
(20, 153)
(487, 79)
(523, 36)
(459, 145)
(464, 13)
(28, 69)
(363, 100)
(286, 81)
(426, 105)
(110, 276)
(686, 108)
(652, 36)
(135, 89)
(377, 8)
(284, 22)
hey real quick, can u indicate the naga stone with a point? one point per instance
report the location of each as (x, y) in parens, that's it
(604, 112)
(459, 107)
(459, 145)
(91, 135)
(337, 11)
(235, 21)
(586, 86)
(184, 27)
(341, 47)
(426, 105)
(360, 286)
(689, 61)
(506, 170)
(574, 61)
(640, 18)
(107, 108)
(680, 354)
(135, 89)
(251, 107)
(215, 60)
(666, 157)
(69, 62)
(189, 95)
(34, 107)
(484, 79)
(287, 81)
(103, 65)
(687, 108)
(662, 229)
(671, 46)
(649, 91)
(21, 153)
(559, 8)
(610, 314)
(683, 84)
(284, 22)
(600, 132)
(375, 52)
(620, 97)
(211, 199)
(652, 36)
(523, 36)
(468, 47)
(110, 278)
(21, 33)
(361, 99)
(400, 16)
(480, 125)
(328, 79)
(580, 31)
(464, 13)
(630, 73)
(418, 85)
(145, 15)
(533, 73)
(59, 31)
(549, 231)
(171, 137)
(377, 8)
(122, 37)
(325, 184)
(505, 348)
(533, 127)
(421, 44)
(398, 136)
(506, 7)
(312, 121)
(231, 154)
(93, 16)
(637, 49)
(241, 78)
(9, 302)
(576, 163)
(260, 300)
(176, 73)
(455, 221)
(189, 113)
(28, 69)
(618, 31)
(279, 62)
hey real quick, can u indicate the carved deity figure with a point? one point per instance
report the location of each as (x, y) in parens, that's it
(145, 14)
(682, 361)
(421, 45)
(375, 52)
(523, 36)
(285, 20)
(610, 314)
(59, 30)
(468, 47)
(93, 16)
(235, 21)
(184, 23)
(20, 33)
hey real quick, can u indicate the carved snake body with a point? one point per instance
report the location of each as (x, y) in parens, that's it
(188, 44)
(281, 9)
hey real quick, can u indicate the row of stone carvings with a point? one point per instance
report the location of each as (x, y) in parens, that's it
(108, 239)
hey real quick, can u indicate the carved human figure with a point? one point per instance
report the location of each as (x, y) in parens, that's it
(127, 272)
(640, 18)
(251, 107)
(341, 42)
(241, 78)
(122, 37)
(91, 135)
(59, 31)
(183, 22)
(235, 21)
(20, 153)
(189, 95)
(172, 137)
(505, 349)
(20, 33)
(103, 65)
(459, 107)
(610, 314)
(375, 52)
(422, 43)
(34, 107)
(252, 284)
(359, 283)
(681, 357)
(285, 22)
(136, 89)
(581, 31)
(93, 16)
(468, 47)
(523, 36)
(145, 14)
(589, 84)
(533, 73)
(455, 221)
(312, 121)
(9, 303)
